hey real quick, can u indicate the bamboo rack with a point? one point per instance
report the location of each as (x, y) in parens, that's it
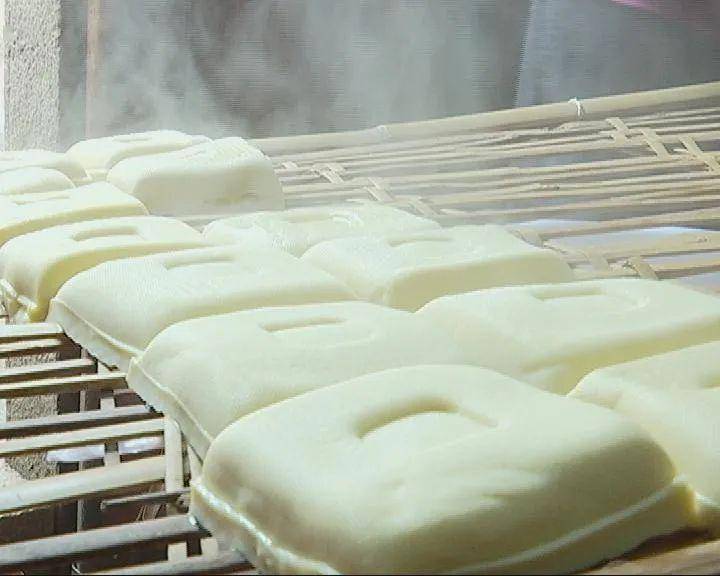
(620, 186)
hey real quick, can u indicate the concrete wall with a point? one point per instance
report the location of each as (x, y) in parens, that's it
(42, 73)
(31, 69)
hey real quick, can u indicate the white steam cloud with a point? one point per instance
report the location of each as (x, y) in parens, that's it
(272, 67)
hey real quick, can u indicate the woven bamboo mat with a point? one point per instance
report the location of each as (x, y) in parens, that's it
(608, 182)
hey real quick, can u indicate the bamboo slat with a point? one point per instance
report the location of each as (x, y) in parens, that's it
(82, 484)
(55, 385)
(36, 346)
(504, 119)
(696, 559)
(166, 496)
(24, 332)
(96, 542)
(83, 437)
(73, 421)
(174, 477)
(223, 563)
(49, 370)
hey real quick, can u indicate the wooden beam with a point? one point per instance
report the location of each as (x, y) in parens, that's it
(93, 71)
(60, 369)
(174, 477)
(83, 437)
(97, 542)
(79, 420)
(174, 497)
(61, 385)
(10, 333)
(83, 484)
(696, 559)
(37, 346)
(223, 563)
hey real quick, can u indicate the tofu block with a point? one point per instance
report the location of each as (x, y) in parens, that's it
(149, 294)
(218, 177)
(408, 270)
(435, 469)
(551, 336)
(31, 180)
(98, 155)
(34, 266)
(299, 229)
(24, 213)
(285, 351)
(16, 159)
(675, 397)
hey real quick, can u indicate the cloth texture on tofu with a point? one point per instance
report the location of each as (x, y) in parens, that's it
(676, 398)
(209, 372)
(552, 335)
(32, 180)
(436, 469)
(34, 266)
(299, 229)
(16, 159)
(24, 213)
(98, 155)
(149, 294)
(408, 270)
(217, 177)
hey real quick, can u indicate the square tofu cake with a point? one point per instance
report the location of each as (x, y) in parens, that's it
(409, 269)
(31, 180)
(16, 159)
(676, 398)
(149, 294)
(300, 229)
(249, 360)
(551, 336)
(216, 177)
(34, 266)
(24, 213)
(435, 469)
(98, 155)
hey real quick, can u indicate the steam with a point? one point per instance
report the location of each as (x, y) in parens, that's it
(272, 67)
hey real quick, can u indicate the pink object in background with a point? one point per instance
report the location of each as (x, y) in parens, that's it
(639, 4)
(698, 12)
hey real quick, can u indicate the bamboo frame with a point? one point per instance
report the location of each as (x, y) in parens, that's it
(123, 484)
(623, 162)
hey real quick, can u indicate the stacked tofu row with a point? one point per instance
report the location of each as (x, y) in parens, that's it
(171, 173)
(163, 174)
(370, 392)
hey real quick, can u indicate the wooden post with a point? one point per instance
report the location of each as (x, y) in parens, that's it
(93, 80)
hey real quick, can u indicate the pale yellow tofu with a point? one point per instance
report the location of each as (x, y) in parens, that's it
(676, 398)
(24, 213)
(34, 266)
(98, 155)
(551, 336)
(151, 293)
(407, 270)
(435, 469)
(16, 159)
(224, 176)
(33, 179)
(285, 351)
(299, 229)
